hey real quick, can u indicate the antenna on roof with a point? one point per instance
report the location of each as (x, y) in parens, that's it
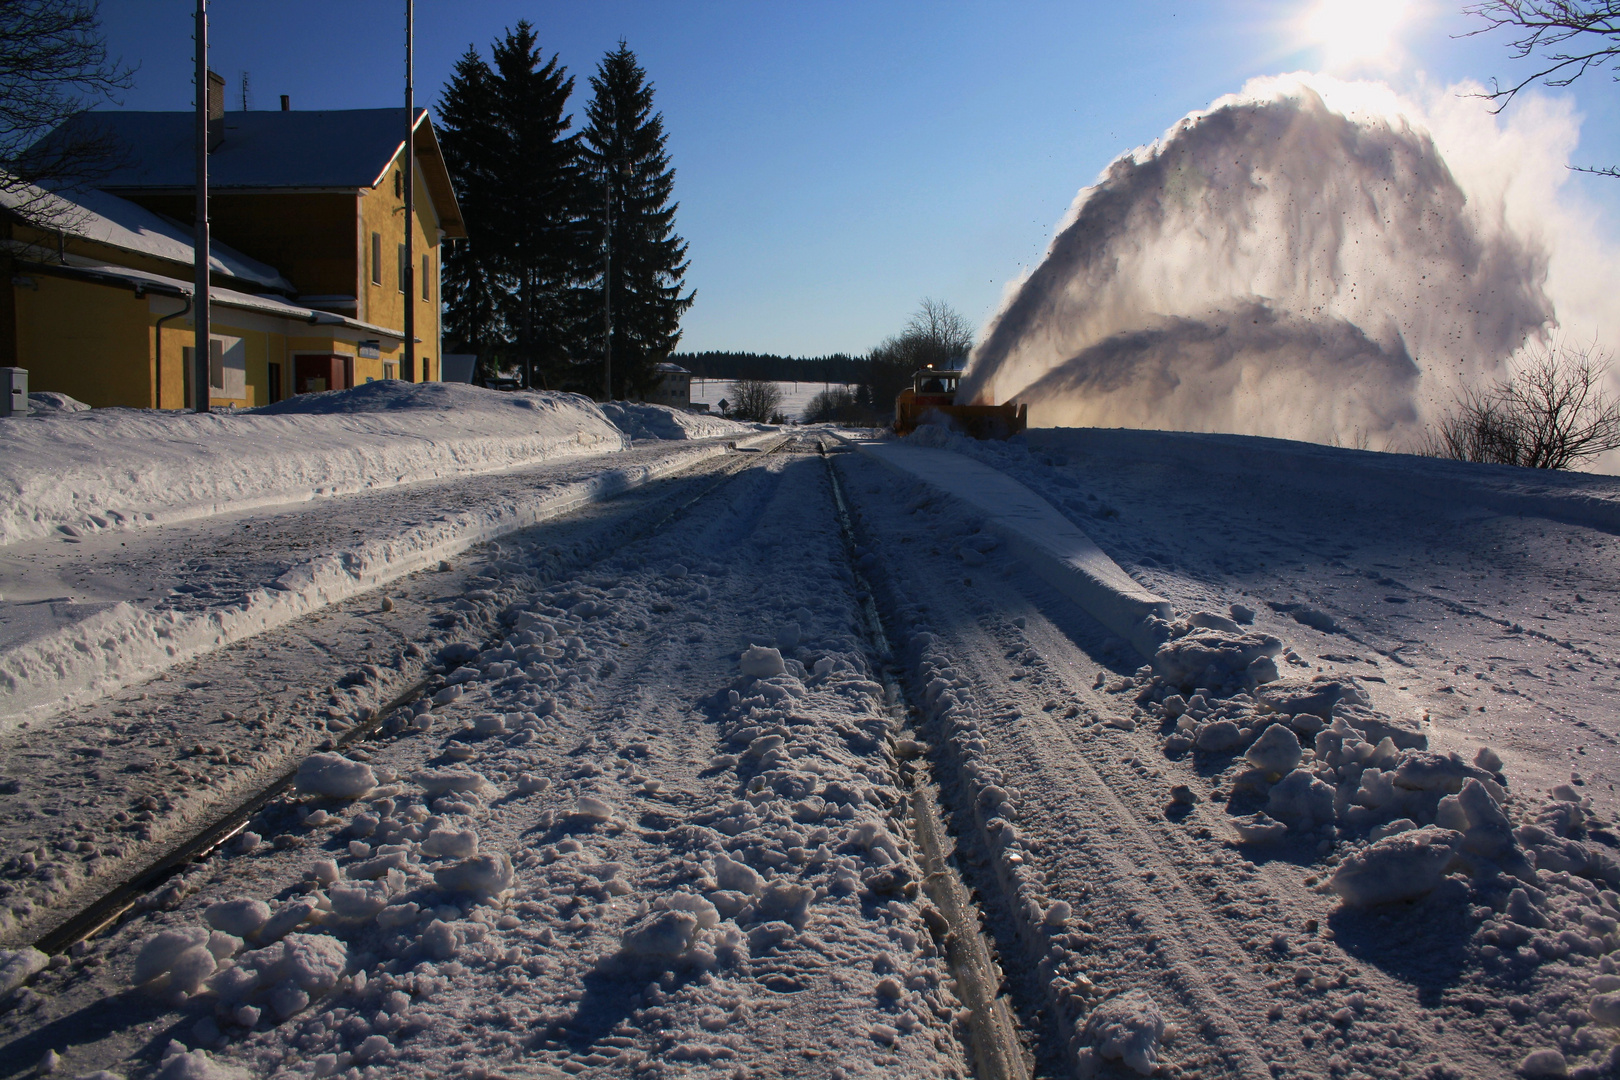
(244, 91)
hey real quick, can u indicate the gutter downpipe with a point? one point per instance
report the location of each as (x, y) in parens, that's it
(157, 389)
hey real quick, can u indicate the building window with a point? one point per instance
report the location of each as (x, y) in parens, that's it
(425, 275)
(376, 258)
(390, 371)
(404, 268)
(399, 184)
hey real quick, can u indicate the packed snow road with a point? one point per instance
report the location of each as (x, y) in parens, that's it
(658, 800)
(601, 842)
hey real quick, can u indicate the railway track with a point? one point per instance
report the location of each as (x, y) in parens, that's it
(107, 908)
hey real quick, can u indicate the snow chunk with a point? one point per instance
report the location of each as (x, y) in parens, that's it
(334, 776)
(163, 950)
(667, 936)
(240, 918)
(197, 1065)
(787, 902)
(590, 808)
(300, 965)
(1401, 867)
(443, 781)
(17, 966)
(1605, 1008)
(760, 662)
(1424, 771)
(1539, 1063)
(1219, 737)
(1316, 696)
(734, 876)
(451, 844)
(707, 915)
(1128, 1029)
(1301, 800)
(484, 875)
(1275, 752)
(1258, 828)
(1212, 657)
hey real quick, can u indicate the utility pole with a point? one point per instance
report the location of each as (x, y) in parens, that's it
(607, 255)
(200, 380)
(409, 369)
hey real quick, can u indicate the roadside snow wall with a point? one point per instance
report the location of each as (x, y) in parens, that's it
(75, 472)
(642, 420)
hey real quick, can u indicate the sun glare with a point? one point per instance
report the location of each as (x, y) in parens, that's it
(1355, 31)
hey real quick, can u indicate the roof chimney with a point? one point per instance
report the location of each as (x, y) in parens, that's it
(216, 111)
(286, 103)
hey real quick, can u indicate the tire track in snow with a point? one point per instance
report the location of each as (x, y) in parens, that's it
(805, 1004)
(1163, 888)
(333, 646)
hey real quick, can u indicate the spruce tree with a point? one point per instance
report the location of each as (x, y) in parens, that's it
(517, 166)
(476, 288)
(630, 173)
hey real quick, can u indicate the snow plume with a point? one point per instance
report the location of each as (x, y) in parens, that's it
(1300, 260)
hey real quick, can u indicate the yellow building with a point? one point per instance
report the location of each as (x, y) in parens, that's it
(307, 284)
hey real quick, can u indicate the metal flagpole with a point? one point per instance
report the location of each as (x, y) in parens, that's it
(200, 380)
(409, 274)
(607, 254)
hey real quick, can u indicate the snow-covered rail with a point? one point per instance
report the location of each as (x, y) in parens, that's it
(997, 1052)
(601, 841)
(224, 822)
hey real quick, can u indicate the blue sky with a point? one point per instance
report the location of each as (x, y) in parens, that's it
(838, 161)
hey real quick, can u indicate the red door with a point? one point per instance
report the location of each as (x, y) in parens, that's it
(312, 374)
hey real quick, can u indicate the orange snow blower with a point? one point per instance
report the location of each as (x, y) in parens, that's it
(934, 390)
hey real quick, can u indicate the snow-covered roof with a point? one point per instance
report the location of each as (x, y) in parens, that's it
(328, 148)
(119, 223)
(667, 368)
(231, 298)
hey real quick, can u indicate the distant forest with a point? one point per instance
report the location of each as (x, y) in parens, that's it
(838, 368)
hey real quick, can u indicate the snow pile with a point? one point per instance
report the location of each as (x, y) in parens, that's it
(543, 868)
(1127, 1029)
(75, 473)
(640, 420)
(333, 776)
(17, 966)
(180, 1064)
(48, 403)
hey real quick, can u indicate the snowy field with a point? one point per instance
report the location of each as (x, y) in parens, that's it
(1260, 759)
(796, 396)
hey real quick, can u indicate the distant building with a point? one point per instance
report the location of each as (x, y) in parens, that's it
(307, 253)
(674, 386)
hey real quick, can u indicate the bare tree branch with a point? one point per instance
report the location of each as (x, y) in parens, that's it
(755, 399)
(53, 66)
(1554, 413)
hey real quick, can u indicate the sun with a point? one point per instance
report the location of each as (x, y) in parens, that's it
(1352, 32)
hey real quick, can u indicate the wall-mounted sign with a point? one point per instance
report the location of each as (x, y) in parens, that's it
(370, 350)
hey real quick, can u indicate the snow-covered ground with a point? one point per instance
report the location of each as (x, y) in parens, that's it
(1261, 759)
(796, 396)
(76, 473)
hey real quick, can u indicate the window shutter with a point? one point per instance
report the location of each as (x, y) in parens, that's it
(402, 268)
(376, 258)
(216, 364)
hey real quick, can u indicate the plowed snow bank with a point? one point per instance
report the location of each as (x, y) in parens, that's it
(78, 472)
